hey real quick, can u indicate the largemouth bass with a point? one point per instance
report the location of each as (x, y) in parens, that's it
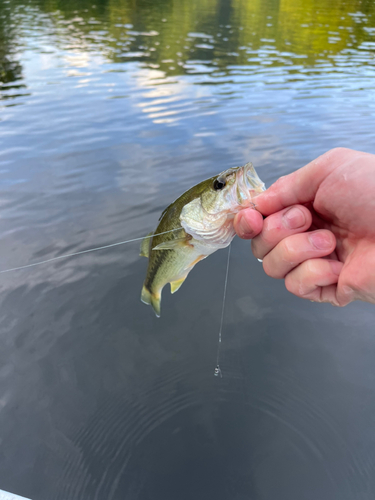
(200, 222)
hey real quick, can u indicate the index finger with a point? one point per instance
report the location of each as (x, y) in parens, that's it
(301, 186)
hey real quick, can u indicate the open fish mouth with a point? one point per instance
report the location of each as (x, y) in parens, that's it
(252, 180)
(248, 186)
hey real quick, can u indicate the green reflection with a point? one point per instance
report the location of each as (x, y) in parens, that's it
(10, 68)
(178, 35)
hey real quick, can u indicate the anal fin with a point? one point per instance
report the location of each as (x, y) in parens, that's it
(175, 285)
(198, 259)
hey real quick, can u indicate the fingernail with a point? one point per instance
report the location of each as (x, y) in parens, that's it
(321, 241)
(244, 227)
(294, 218)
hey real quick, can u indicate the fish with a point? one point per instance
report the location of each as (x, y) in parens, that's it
(194, 226)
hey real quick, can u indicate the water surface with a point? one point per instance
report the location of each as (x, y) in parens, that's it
(108, 112)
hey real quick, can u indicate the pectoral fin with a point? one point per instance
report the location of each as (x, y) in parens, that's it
(145, 245)
(173, 244)
(175, 285)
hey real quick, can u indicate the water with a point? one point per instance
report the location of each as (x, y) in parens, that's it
(108, 112)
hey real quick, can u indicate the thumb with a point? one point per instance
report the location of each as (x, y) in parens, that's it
(301, 186)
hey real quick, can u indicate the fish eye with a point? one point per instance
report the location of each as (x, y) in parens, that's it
(219, 185)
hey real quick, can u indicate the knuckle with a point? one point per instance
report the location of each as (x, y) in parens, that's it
(296, 286)
(270, 228)
(279, 185)
(267, 240)
(287, 250)
(333, 154)
(280, 181)
(268, 268)
(255, 248)
(338, 151)
(290, 284)
(311, 267)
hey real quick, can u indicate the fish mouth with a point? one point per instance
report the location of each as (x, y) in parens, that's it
(248, 186)
(252, 181)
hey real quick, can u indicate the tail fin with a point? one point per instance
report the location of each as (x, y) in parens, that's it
(151, 299)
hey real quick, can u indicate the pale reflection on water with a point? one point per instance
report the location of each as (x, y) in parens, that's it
(108, 112)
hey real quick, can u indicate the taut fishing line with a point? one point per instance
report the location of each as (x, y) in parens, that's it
(87, 251)
(109, 246)
(217, 371)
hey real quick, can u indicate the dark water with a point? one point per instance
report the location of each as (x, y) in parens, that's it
(108, 112)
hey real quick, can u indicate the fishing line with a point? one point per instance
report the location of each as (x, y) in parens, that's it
(217, 371)
(87, 251)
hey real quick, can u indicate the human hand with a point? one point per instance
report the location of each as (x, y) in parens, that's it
(319, 233)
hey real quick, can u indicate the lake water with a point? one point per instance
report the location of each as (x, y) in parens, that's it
(109, 111)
